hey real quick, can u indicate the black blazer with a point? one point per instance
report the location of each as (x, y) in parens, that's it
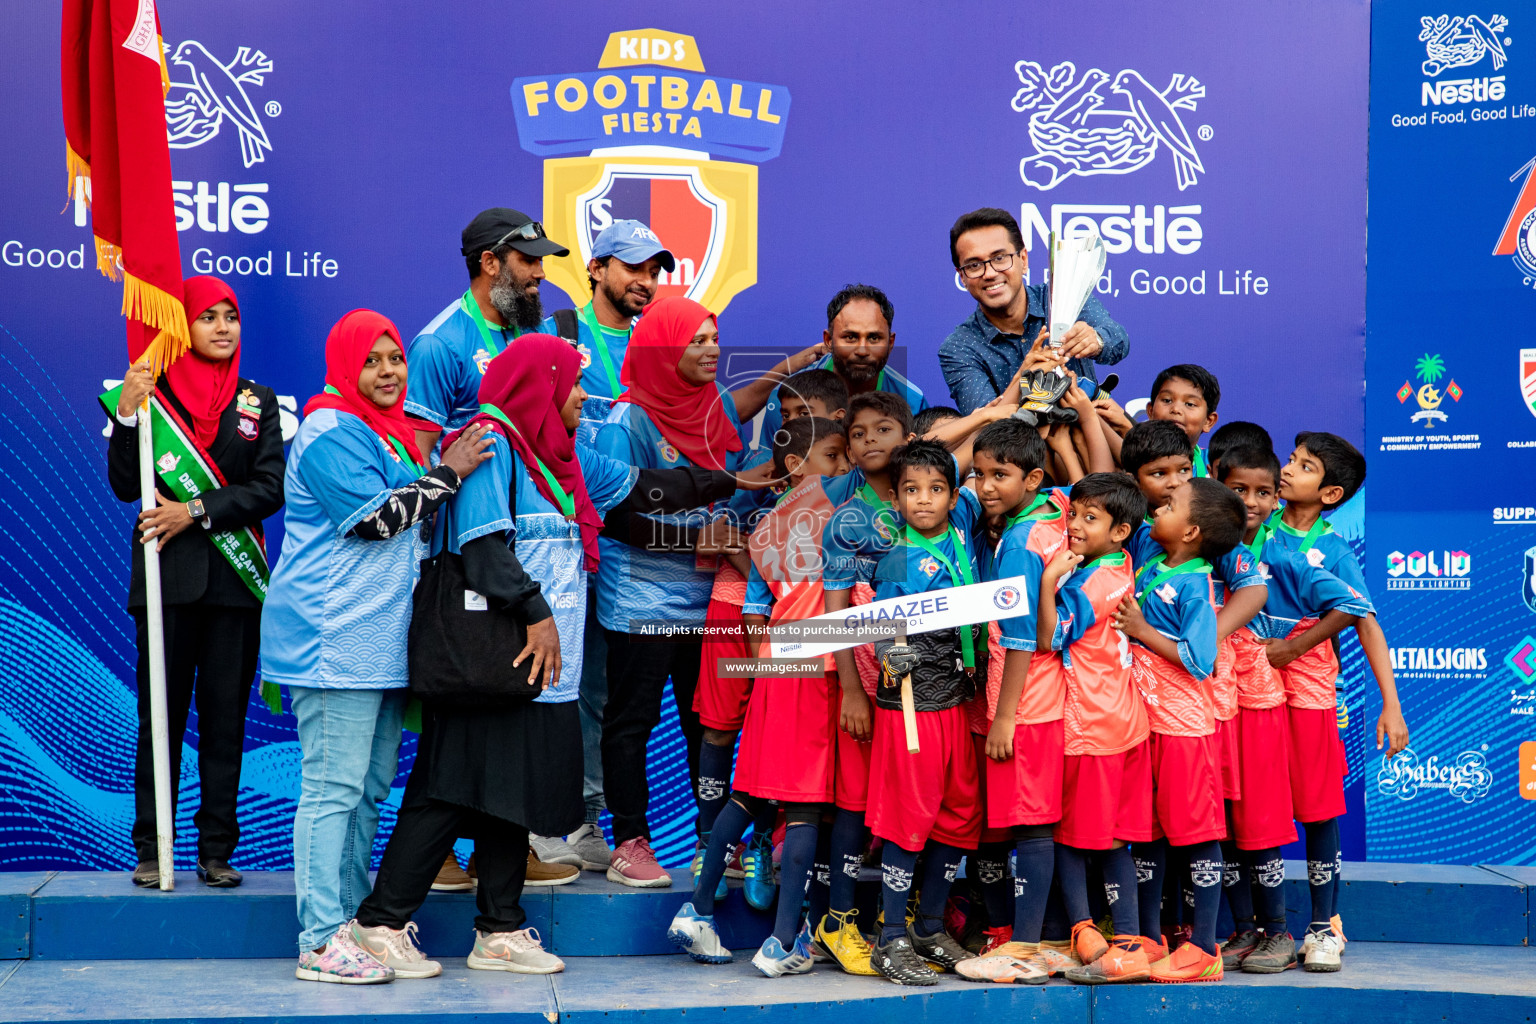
(191, 568)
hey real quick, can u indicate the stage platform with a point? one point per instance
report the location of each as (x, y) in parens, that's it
(1429, 943)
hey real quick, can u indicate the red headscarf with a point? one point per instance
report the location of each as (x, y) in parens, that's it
(346, 349)
(688, 415)
(205, 387)
(529, 382)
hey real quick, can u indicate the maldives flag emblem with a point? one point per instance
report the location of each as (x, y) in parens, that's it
(1528, 378)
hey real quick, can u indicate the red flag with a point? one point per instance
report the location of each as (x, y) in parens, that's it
(114, 81)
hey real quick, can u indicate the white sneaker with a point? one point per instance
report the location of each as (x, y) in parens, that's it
(554, 850)
(591, 846)
(695, 934)
(396, 950)
(520, 952)
(1326, 953)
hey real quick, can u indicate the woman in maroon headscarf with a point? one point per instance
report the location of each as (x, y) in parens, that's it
(212, 606)
(527, 527)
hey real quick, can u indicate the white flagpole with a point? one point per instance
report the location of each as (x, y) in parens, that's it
(159, 730)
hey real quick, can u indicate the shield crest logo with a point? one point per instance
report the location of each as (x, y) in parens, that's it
(1528, 378)
(704, 212)
(1528, 579)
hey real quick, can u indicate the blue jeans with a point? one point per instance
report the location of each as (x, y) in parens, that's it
(350, 741)
(592, 698)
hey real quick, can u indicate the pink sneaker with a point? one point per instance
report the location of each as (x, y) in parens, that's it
(635, 865)
(343, 962)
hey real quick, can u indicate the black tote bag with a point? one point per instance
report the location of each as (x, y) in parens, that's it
(460, 650)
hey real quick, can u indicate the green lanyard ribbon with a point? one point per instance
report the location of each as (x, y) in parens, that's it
(1308, 539)
(871, 499)
(1193, 565)
(473, 309)
(1027, 511)
(391, 444)
(1202, 468)
(589, 317)
(565, 501)
(962, 577)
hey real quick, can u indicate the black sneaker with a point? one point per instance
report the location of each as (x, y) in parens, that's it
(147, 874)
(1273, 954)
(939, 949)
(899, 962)
(1237, 947)
(216, 872)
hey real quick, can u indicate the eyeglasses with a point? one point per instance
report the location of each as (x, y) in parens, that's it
(526, 232)
(1000, 263)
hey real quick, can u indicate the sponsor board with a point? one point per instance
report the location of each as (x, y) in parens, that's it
(1465, 776)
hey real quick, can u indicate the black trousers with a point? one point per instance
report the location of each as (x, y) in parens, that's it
(424, 833)
(210, 653)
(638, 669)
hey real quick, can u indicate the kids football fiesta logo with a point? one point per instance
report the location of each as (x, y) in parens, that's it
(652, 140)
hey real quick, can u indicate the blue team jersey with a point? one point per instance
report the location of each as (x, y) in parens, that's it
(1300, 590)
(1234, 570)
(339, 607)
(860, 534)
(1180, 606)
(1021, 552)
(601, 391)
(544, 541)
(639, 585)
(1329, 551)
(446, 362)
(760, 430)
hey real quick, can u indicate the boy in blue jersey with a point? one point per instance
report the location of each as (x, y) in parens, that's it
(1325, 471)
(1187, 395)
(1172, 619)
(1300, 595)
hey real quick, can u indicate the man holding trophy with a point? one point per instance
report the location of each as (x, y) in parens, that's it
(982, 355)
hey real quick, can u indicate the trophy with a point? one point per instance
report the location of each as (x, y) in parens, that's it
(1076, 264)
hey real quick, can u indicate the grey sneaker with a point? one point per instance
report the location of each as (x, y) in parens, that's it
(591, 847)
(520, 952)
(554, 850)
(1273, 954)
(939, 949)
(396, 950)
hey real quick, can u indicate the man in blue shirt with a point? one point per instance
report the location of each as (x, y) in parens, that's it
(981, 356)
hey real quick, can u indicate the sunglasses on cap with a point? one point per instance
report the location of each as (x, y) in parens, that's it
(527, 232)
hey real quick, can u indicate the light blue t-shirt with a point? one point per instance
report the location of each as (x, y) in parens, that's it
(339, 608)
(638, 585)
(544, 541)
(446, 362)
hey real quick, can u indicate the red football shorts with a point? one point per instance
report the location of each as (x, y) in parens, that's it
(1317, 764)
(1186, 784)
(1026, 788)
(932, 794)
(1226, 747)
(851, 786)
(1106, 797)
(789, 742)
(721, 702)
(1262, 818)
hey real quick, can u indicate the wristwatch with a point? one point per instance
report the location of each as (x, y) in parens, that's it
(195, 509)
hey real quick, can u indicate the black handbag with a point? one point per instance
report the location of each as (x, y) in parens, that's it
(460, 649)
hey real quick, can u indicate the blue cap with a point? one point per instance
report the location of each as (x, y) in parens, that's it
(631, 242)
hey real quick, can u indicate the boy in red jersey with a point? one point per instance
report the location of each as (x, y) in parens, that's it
(1106, 780)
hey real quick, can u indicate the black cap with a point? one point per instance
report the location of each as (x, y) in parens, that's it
(491, 228)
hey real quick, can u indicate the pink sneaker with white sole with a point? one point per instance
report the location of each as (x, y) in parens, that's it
(634, 864)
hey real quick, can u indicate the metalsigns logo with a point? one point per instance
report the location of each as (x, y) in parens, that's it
(1466, 778)
(1518, 240)
(204, 92)
(1434, 570)
(1462, 42)
(1429, 370)
(1074, 133)
(649, 138)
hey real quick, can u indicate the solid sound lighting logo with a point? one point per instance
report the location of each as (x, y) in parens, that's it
(652, 139)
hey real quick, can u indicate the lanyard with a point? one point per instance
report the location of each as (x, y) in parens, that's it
(565, 501)
(473, 309)
(871, 499)
(1310, 537)
(1107, 558)
(589, 317)
(1026, 512)
(1201, 468)
(1193, 565)
(961, 578)
(390, 444)
(1260, 539)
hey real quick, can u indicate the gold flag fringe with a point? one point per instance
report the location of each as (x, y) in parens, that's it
(153, 306)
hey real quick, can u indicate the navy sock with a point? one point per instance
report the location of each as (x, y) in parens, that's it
(1120, 890)
(714, 784)
(794, 876)
(766, 819)
(1266, 873)
(1097, 907)
(1072, 876)
(1033, 871)
(846, 858)
(1151, 866)
(940, 864)
(820, 895)
(1324, 859)
(1205, 869)
(1056, 927)
(988, 867)
(1235, 888)
(729, 826)
(896, 870)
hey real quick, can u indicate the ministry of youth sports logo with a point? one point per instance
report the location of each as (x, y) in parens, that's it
(1098, 125)
(206, 94)
(1462, 42)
